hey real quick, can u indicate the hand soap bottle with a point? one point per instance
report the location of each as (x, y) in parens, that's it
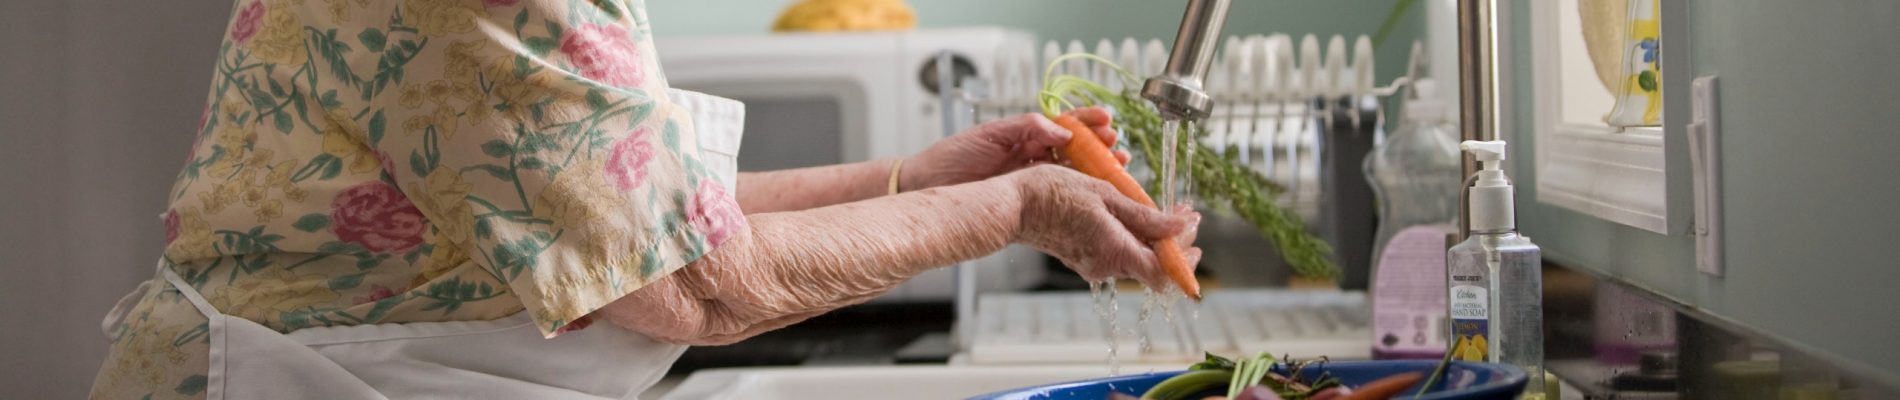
(1496, 279)
(1415, 177)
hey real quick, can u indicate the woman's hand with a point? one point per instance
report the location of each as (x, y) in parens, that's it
(1096, 230)
(998, 147)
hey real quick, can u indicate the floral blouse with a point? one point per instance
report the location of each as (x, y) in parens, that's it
(383, 161)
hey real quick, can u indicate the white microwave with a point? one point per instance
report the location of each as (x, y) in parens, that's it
(826, 98)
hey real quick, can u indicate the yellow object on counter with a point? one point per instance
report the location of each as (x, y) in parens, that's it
(846, 15)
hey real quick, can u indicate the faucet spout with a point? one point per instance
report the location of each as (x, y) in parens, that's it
(1177, 91)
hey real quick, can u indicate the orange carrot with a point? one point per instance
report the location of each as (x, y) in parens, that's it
(1386, 388)
(1088, 154)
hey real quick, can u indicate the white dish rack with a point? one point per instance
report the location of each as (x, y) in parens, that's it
(1067, 328)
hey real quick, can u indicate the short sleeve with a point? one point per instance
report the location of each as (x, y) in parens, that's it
(537, 135)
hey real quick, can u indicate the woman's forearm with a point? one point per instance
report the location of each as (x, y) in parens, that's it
(793, 265)
(807, 188)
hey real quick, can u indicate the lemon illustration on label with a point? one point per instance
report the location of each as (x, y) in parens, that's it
(1470, 348)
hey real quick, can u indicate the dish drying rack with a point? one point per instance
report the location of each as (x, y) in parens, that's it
(1302, 117)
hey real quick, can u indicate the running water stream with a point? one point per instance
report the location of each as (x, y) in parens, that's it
(1107, 308)
(1170, 146)
(1105, 293)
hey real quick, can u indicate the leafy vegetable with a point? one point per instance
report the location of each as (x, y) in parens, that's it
(1436, 373)
(1219, 181)
(1179, 387)
(1249, 372)
(1213, 362)
(1244, 374)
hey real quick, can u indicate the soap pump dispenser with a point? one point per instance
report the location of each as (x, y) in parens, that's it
(1495, 276)
(1492, 198)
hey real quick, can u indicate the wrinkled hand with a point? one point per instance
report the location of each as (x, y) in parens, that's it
(1094, 229)
(999, 147)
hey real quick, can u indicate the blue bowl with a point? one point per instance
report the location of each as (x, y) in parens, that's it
(1462, 381)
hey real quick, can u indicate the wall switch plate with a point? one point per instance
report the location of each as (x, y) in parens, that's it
(1706, 171)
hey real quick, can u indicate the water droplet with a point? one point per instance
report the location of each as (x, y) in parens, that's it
(1105, 307)
(1148, 304)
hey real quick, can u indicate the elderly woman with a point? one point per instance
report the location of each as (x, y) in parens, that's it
(440, 199)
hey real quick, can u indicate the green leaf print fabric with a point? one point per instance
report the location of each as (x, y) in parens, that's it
(383, 161)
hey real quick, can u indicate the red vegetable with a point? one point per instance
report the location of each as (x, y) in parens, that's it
(1258, 392)
(1331, 393)
(1387, 387)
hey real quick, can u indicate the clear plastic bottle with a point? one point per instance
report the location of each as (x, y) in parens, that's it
(1496, 278)
(1415, 177)
(1500, 274)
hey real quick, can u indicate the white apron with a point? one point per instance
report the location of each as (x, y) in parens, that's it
(499, 359)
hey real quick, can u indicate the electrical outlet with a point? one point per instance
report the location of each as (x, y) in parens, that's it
(1706, 171)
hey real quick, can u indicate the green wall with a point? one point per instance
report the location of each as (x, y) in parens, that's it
(1079, 19)
(1807, 125)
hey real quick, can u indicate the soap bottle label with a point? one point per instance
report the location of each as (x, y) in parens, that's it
(1470, 318)
(1408, 295)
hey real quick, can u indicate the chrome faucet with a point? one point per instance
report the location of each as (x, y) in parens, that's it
(1177, 91)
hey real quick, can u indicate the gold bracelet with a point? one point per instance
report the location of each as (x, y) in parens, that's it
(896, 168)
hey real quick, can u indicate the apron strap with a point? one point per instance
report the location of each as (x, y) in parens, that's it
(191, 293)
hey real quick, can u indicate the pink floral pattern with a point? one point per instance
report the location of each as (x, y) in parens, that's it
(203, 117)
(626, 164)
(578, 324)
(171, 226)
(378, 293)
(197, 136)
(247, 22)
(714, 213)
(377, 216)
(389, 166)
(604, 53)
